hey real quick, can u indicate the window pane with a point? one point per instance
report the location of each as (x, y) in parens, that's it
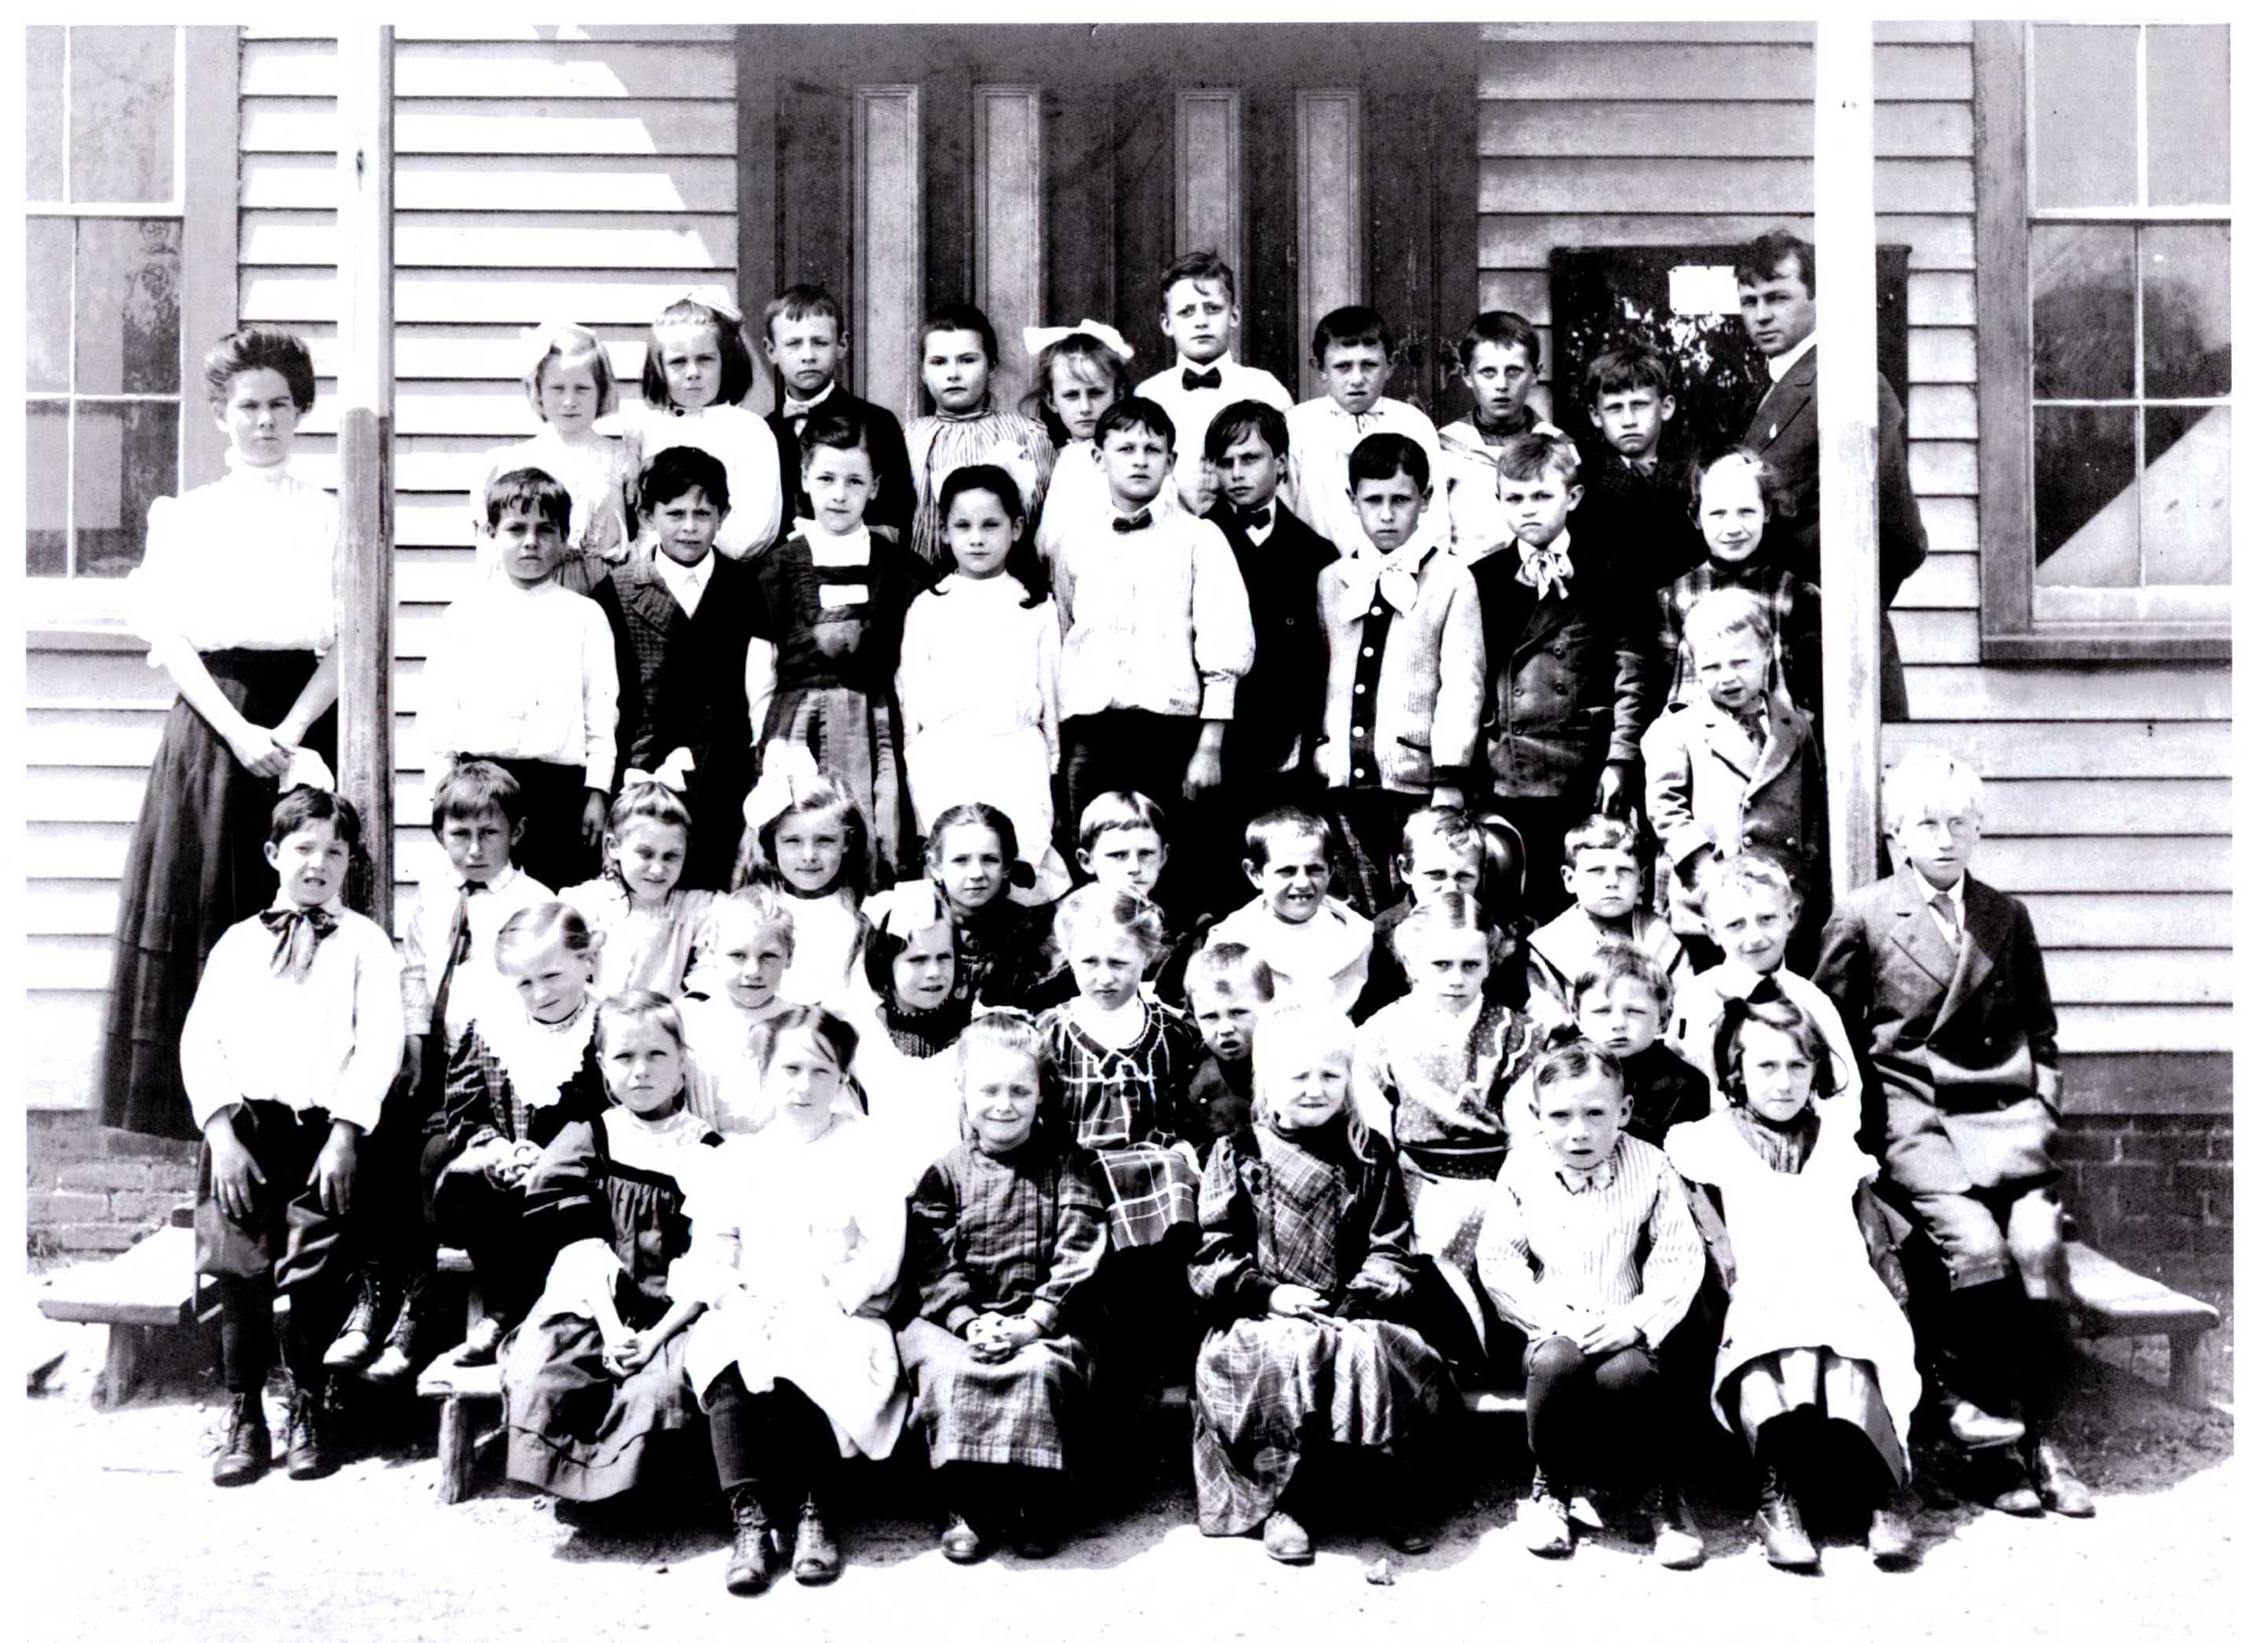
(2087, 528)
(46, 461)
(2185, 349)
(121, 115)
(129, 300)
(2083, 116)
(2188, 116)
(126, 456)
(2185, 531)
(47, 303)
(2082, 311)
(43, 114)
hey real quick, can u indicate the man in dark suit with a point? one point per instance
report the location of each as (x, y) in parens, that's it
(1939, 978)
(1265, 758)
(683, 615)
(805, 340)
(1779, 305)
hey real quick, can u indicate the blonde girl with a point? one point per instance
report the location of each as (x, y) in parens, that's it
(571, 387)
(650, 929)
(749, 946)
(808, 837)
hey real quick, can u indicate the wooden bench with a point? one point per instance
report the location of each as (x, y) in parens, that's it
(465, 1393)
(153, 1286)
(2108, 1299)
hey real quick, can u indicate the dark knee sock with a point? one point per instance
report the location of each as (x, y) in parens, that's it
(1558, 1381)
(247, 1337)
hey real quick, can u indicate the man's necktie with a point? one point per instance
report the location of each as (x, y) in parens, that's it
(298, 930)
(1941, 905)
(1136, 521)
(1192, 380)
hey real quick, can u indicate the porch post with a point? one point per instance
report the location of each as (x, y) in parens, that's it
(1849, 548)
(364, 366)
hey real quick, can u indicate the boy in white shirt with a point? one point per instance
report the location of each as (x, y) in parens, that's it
(1355, 352)
(1197, 312)
(286, 1053)
(1315, 947)
(522, 673)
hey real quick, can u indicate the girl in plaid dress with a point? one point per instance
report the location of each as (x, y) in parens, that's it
(1006, 1232)
(1303, 1266)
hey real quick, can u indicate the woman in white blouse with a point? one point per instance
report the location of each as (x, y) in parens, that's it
(234, 596)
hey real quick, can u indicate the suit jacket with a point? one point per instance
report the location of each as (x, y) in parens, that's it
(1708, 786)
(1786, 431)
(1649, 519)
(1566, 677)
(892, 505)
(1959, 1046)
(1280, 703)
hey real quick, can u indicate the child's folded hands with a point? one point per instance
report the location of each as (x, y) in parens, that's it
(1296, 1301)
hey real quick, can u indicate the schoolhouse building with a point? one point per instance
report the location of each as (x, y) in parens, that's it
(2058, 312)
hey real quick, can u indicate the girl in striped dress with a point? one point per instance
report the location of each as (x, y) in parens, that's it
(959, 353)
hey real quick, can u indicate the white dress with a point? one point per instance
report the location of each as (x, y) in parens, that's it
(724, 1086)
(1801, 1275)
(649, 945)
(828, 933)
(735, 436)
(977, 689)
(913, 1102)
(791, 1237)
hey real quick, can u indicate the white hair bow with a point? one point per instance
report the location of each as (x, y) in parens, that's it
(1039, 336)
(563, 335)
(306, 769)
(709, 296)
(672, 772)
(789, 772)
(906, 907)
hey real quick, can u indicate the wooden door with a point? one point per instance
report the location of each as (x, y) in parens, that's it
(1048, 174)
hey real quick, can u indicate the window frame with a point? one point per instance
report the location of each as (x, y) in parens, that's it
(2011, 630)
(206, 128)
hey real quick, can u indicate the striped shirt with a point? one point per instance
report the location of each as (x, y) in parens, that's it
(1562, 1250)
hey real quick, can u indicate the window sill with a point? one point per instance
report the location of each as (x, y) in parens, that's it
(2109, 641)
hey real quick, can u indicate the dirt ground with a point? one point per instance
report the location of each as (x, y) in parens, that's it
(127, 1538)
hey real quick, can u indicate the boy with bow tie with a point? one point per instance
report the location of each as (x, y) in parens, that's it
(1197, 312)
(286, 1055)
(1566, 674)
(1402, 690)
(806, 341)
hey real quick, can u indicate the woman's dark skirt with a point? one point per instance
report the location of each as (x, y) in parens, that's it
(196, 865)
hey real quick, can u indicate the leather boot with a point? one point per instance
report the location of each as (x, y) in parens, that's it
(244, 1451)
(358, 1336)
(749, 1570)
(1677, 1544)
(1543, 1519)
(2061, 1490)
(306, 1440)
(399, 1358)
(1890, 1533)
(817, 1558)
(1780, 1525)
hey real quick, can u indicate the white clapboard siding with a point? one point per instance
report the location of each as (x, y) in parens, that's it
(2108, 798)
(581, 171)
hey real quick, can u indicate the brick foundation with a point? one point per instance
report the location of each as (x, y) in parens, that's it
(2154, 1191)
(91, 1190)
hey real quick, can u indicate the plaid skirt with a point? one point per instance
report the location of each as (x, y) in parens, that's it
(1015, 1413)
(570, 1428)
(854, 736)
(1150, 1189)
(1265, 1386)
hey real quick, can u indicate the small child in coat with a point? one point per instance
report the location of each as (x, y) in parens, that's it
(596, 1374)
(1590, 1249)
(1740, 771)
(1230, 987)
(1315, 945)
(806, 341)
(1602, 875)
(1304, 1273)
(1621, 1002)
(1003, 1238)
(286, 1053)
(1635, 488)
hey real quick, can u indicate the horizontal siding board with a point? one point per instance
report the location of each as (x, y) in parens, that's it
(1942, 467)
(2123, 918)
(1941, 410)
(2019, 864)
(2074, 748)
(507, 240)
(485, 28)
(1941, 298)
(1951, 522)
(1617, 69)
(289, 296)
(471, 353)
(545, 180)
(2170, 807)
(2130, 693)
(307, 127)
(502, 68)
(1941, 353)
(1759, 130)
(2138, 976)
(1943, 637)
(1526, 240)
(2107, 1029)
(1711, 31)
(1945, 581)
(1622, 183)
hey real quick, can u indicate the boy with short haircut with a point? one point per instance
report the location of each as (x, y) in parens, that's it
(1401, 695)
(1752, 910)
(1602, 875)
(521, 673)
(1267, 759)
(1315, 945)
(1157, 630)
(1939, 976)
(1499, 357)
(1230, 987)
(1122, 842)
(1355, 351)
(1443, 849)
(1634, 487)
(286, 1053)
(682, 616)
(1621, 1001)
(1565, 679)
(805, 340)
(1739, 770)
(1198, 312)
(1590, 1249)
(448, 976)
